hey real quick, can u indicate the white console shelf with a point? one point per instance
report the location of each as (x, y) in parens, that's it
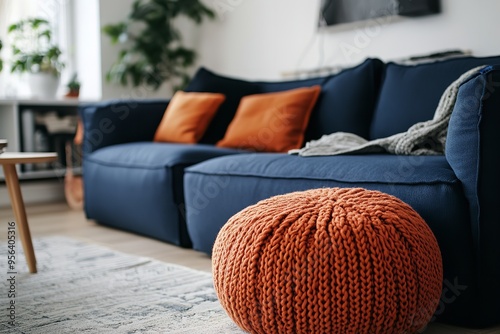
(17, 125)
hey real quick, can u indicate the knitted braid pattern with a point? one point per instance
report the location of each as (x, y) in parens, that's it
(328, 260)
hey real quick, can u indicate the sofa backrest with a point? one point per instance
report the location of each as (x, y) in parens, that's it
(411, 93)
(346, 102)
(372, 100)
(234, 89)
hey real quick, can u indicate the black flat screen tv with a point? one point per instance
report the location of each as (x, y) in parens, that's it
(346, 11)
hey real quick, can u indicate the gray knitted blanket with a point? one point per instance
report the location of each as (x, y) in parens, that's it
(424, 138)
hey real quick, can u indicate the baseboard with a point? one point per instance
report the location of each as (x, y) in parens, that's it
(36, 192)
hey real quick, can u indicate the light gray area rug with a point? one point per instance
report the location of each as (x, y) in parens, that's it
(90, 289)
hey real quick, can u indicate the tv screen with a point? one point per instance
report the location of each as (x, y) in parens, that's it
(346, 11)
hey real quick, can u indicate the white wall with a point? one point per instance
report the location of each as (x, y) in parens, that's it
(261, 39)
(86, 40)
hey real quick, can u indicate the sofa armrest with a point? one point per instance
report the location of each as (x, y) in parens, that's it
(472, 150)
(119, 121)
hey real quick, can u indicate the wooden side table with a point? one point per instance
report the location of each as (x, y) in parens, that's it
(8, 161)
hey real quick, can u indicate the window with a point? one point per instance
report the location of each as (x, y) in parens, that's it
(58, 13)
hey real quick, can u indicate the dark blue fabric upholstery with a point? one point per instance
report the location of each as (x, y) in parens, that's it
(339, 106)
(120, 121)
(472, 151)
(219, 188)
(410, 94)
(139, 187)
(347, 101)
(234, 89)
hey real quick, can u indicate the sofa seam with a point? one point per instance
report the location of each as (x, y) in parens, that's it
(108, 164)
(452, 182)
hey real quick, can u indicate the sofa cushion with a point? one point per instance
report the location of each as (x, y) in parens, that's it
(410, 94)
(156, 155)
(115, 122)
(234, 89)
(346, 102)
(187, 117)
(273, 174)
(373, 168)
(116, 178)
(272, 122)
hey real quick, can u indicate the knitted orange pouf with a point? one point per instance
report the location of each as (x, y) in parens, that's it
(328, 261)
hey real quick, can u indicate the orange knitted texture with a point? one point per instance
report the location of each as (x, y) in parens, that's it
(328, 261)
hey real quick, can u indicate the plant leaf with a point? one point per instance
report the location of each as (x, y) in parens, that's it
(45, 33)
(114, 31)
(13, 27)
(154, 53)
(37, 22)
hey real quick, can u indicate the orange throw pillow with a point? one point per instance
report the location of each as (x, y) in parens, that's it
(187, 117)
(271, 122)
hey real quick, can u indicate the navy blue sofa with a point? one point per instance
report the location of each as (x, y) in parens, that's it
(183, 194)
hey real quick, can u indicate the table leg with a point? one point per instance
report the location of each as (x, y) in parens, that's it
(17, 202)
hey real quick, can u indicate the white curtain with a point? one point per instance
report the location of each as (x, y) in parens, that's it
(57, 12)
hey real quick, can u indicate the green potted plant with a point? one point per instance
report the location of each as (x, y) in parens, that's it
(152, 45)
(33, 52)
(73, 86)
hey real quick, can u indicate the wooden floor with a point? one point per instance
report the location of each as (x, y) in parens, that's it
(58, 220)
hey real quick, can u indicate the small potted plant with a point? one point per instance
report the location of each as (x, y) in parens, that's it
(33, 52)
(73, 86)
